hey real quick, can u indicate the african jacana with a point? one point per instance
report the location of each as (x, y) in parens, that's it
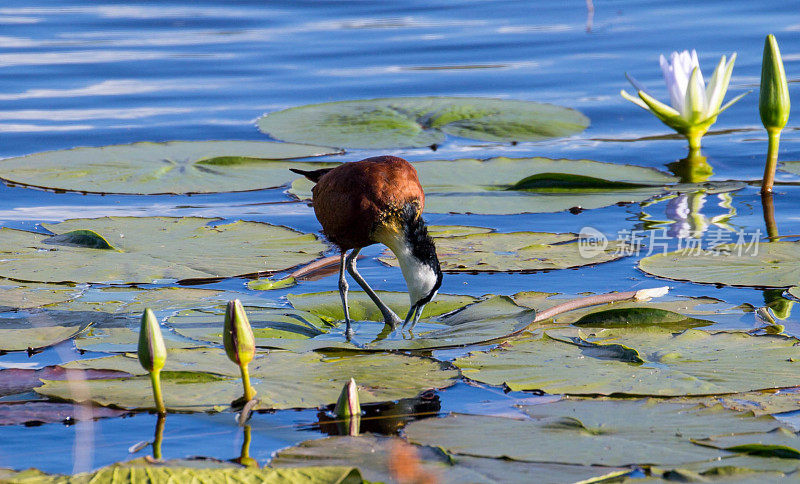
(378, 200)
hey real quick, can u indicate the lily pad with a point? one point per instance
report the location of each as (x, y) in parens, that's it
(40, 329)
(792, 167)
(405, 122)
(514, 252)
(328, 305)
(760, 403)
(133, 300)
(794, 291)
(486, 186)
(125, 339)
(640, 362)
(205, 380)
(588, 432)
(271, 285)
(272, 328)
(670, 311)
(780, 442)
(724, 471)
(377, 456)
(774, 264)
(158, 168)
(28, 413)
(23, 295)
(139, 471)
(122, 334)
(155, 248)
(317, 323)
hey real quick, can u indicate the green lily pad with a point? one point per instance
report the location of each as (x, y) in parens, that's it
(24, 295)
(125, 339)
(21, 339)
(317, 323)
(155, 248)
(129, 302)
(792, 167)
(140, 471)
(486, 186)
(133, 301)
(724, 470)
(272, 328)
(638, 316)
(328, 305)
(373, 455)
(670, 311)
(405, 122)
(205, 380)
(760, 403)
(588, 432)
(640, 362)
(513, 252)
(442, 231)
(270, 284)
(774, 264)
(43, 328)
(781, 443)
(157, 168)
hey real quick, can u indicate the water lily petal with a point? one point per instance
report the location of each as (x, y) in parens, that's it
(696, 65)
(638, 85)
(673, 86)
(634, 100)
(665, 113)
(694, 107)
(714, 84)
(726, 106)
(723, 84)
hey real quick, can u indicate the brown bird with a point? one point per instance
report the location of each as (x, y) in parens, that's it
(378, 200)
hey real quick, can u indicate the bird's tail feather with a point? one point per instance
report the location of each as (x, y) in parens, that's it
(313, 175)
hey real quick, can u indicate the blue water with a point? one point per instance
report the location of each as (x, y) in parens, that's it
(85, 73)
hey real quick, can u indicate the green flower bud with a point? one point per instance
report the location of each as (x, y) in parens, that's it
(773, 102)
(152, 351)
(348, 405)
(237, 335)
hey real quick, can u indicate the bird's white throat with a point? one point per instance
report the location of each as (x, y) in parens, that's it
(420, 277)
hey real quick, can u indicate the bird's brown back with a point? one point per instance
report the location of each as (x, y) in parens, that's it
(353, 199)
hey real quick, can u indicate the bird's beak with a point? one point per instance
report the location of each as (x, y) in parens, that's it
(413, 315)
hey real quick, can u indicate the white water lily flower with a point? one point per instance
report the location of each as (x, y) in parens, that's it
(695, 106)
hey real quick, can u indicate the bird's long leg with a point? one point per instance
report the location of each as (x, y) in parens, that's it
(388, 315)
(343, 287)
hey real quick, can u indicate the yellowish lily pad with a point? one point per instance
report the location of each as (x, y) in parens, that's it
(171, 167)
(155, 248)
(402, 122)
(204, 379)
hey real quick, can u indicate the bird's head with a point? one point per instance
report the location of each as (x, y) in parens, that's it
(408, 238)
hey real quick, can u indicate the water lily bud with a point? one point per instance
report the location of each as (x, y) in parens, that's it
(237, 335)
(152, 351)
(348, 404)
(773, 103)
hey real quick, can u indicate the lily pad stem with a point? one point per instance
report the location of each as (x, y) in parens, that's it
(772, 160)
(155, 379)
(768, 208)
(249, 393)
(159, 436)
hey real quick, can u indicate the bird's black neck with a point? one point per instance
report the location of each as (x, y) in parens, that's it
(416, 235)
